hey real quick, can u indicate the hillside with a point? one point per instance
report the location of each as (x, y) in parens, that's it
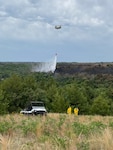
(88, 68)
(70, 69)
(9, 68)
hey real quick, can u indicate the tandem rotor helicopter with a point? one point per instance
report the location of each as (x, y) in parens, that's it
(58, 27)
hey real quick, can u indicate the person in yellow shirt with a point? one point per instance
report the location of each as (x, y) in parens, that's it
(76, 110)
(69, 110)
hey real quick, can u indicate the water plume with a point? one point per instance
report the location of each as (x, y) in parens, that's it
(49, 66)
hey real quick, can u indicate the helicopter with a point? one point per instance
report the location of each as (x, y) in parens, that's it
(58, 27)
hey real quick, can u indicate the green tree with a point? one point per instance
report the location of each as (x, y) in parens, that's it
(100, 106)
(3, 103)
(19, 91)
(75, 97)
(59, 104)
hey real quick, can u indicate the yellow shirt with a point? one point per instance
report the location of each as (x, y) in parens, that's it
(69, 110)
(76, 111)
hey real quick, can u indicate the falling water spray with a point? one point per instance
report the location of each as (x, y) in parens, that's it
(49, 66)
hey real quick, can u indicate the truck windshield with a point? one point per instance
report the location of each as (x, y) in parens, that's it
(37, 104)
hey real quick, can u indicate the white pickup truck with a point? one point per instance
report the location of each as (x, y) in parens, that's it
(35, 108)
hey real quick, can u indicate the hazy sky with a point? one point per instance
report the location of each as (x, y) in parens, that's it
(27, 30)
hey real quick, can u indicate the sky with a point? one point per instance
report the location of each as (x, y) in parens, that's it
(28, 34)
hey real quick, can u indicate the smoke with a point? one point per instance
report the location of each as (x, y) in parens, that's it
(45, 66)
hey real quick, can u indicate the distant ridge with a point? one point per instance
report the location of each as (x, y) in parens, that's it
(62, 68)
(87, 68)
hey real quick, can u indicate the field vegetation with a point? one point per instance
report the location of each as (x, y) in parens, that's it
(56, 132)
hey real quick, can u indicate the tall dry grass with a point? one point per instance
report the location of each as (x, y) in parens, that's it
(5, 142)
(56, 132)
(102, 141)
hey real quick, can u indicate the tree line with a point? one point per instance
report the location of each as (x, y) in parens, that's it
(92, 96)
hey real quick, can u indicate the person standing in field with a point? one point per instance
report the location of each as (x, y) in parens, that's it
(69, 110)
(76, 110)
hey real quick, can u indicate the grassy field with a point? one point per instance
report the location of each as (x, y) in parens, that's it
(56, 132)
